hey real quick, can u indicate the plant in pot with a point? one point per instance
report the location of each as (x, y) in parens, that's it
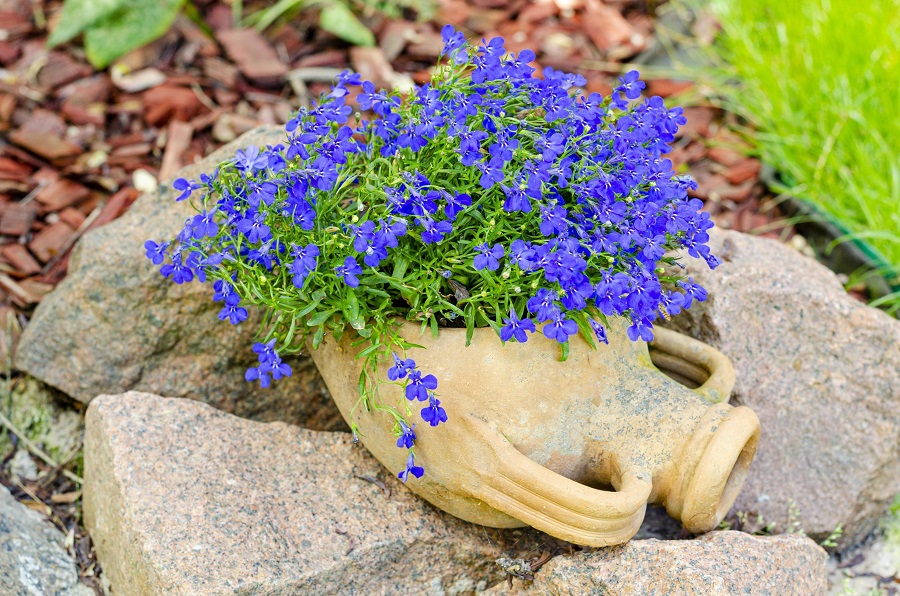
(476, 269)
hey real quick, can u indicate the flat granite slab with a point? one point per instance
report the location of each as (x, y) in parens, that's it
(181, 498)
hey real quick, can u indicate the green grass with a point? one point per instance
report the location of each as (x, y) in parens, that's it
(820, 81)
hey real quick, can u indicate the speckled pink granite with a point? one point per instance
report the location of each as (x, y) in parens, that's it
(716, 564)
(181, 498)
(822, 372)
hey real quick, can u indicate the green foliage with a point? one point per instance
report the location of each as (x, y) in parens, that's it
(335, 17)
(820, 81)
(114, 27)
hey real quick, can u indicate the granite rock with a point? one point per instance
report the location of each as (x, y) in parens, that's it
(115, 324)
(181, 498)
(822, 372)
(720, 563)
(32, 558)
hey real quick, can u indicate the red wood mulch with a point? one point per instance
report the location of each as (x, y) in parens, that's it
(76, 142)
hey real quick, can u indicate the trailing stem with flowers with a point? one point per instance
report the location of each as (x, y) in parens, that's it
(490, 197)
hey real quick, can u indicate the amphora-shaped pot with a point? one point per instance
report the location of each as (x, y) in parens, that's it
(576, 449)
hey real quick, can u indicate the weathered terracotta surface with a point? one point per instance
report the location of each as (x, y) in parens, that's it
(115, 324)
(821, 370)
(576, 449)
(716, 564)
(181, 498)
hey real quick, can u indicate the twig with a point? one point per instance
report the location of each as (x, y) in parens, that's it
(350, 539)
(34, 449)
(315, 74)
(40, 186)
(376, 482)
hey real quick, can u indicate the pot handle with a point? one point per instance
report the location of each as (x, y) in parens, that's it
(520, 487)
(717, 388)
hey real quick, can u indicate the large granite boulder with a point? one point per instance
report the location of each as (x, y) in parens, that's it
(32, 557)
(820, 369)
(720, 563)
(181, 498)
(116, 324)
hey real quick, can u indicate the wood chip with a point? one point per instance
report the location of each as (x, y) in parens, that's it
(180, 135)
(61, 194)
(253, 55)
(50, 240)
(11, 169)
(725, 156)
(18, 256)
(167, 102)
(115, 206)
(744, 170)
(192, 33)
(371, 64)
(72, 216)
(19, 294)
(141, 80)
(606, 26)
(9, 52)
(699, 122)
(65, 498)
(667, 87)
(17, 218)
(47, 145)
(10, 331)
(220, 71)
(60, 70)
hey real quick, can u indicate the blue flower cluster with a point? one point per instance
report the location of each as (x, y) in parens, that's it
(489, 192)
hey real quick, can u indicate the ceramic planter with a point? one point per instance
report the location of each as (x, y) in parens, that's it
(576, 449)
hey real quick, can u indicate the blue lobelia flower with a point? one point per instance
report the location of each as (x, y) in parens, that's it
(641, 328)
(543, 305)
(433, 413)
(631, 85)
(514, 327)
(177, 270)
(407, 436)
(362, 235)
(401, 367)
(599, 331)
(305, 261)
(411, 468)
(488, 257)
(560, 328)
(434, 232)
(249, 160)
(186, 187)
(455, 203)
(348, 271)
(156, 252)
(232, 311)
(204, 225)
(254, 227)
(417, 386)
(454, 41)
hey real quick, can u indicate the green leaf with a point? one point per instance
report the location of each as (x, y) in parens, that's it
(320, 317)
(78, 15)
(318, 337)
(136, 23)
(338, 19)
(563, 351)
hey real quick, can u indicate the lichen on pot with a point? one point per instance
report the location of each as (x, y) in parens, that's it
(490, 202)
